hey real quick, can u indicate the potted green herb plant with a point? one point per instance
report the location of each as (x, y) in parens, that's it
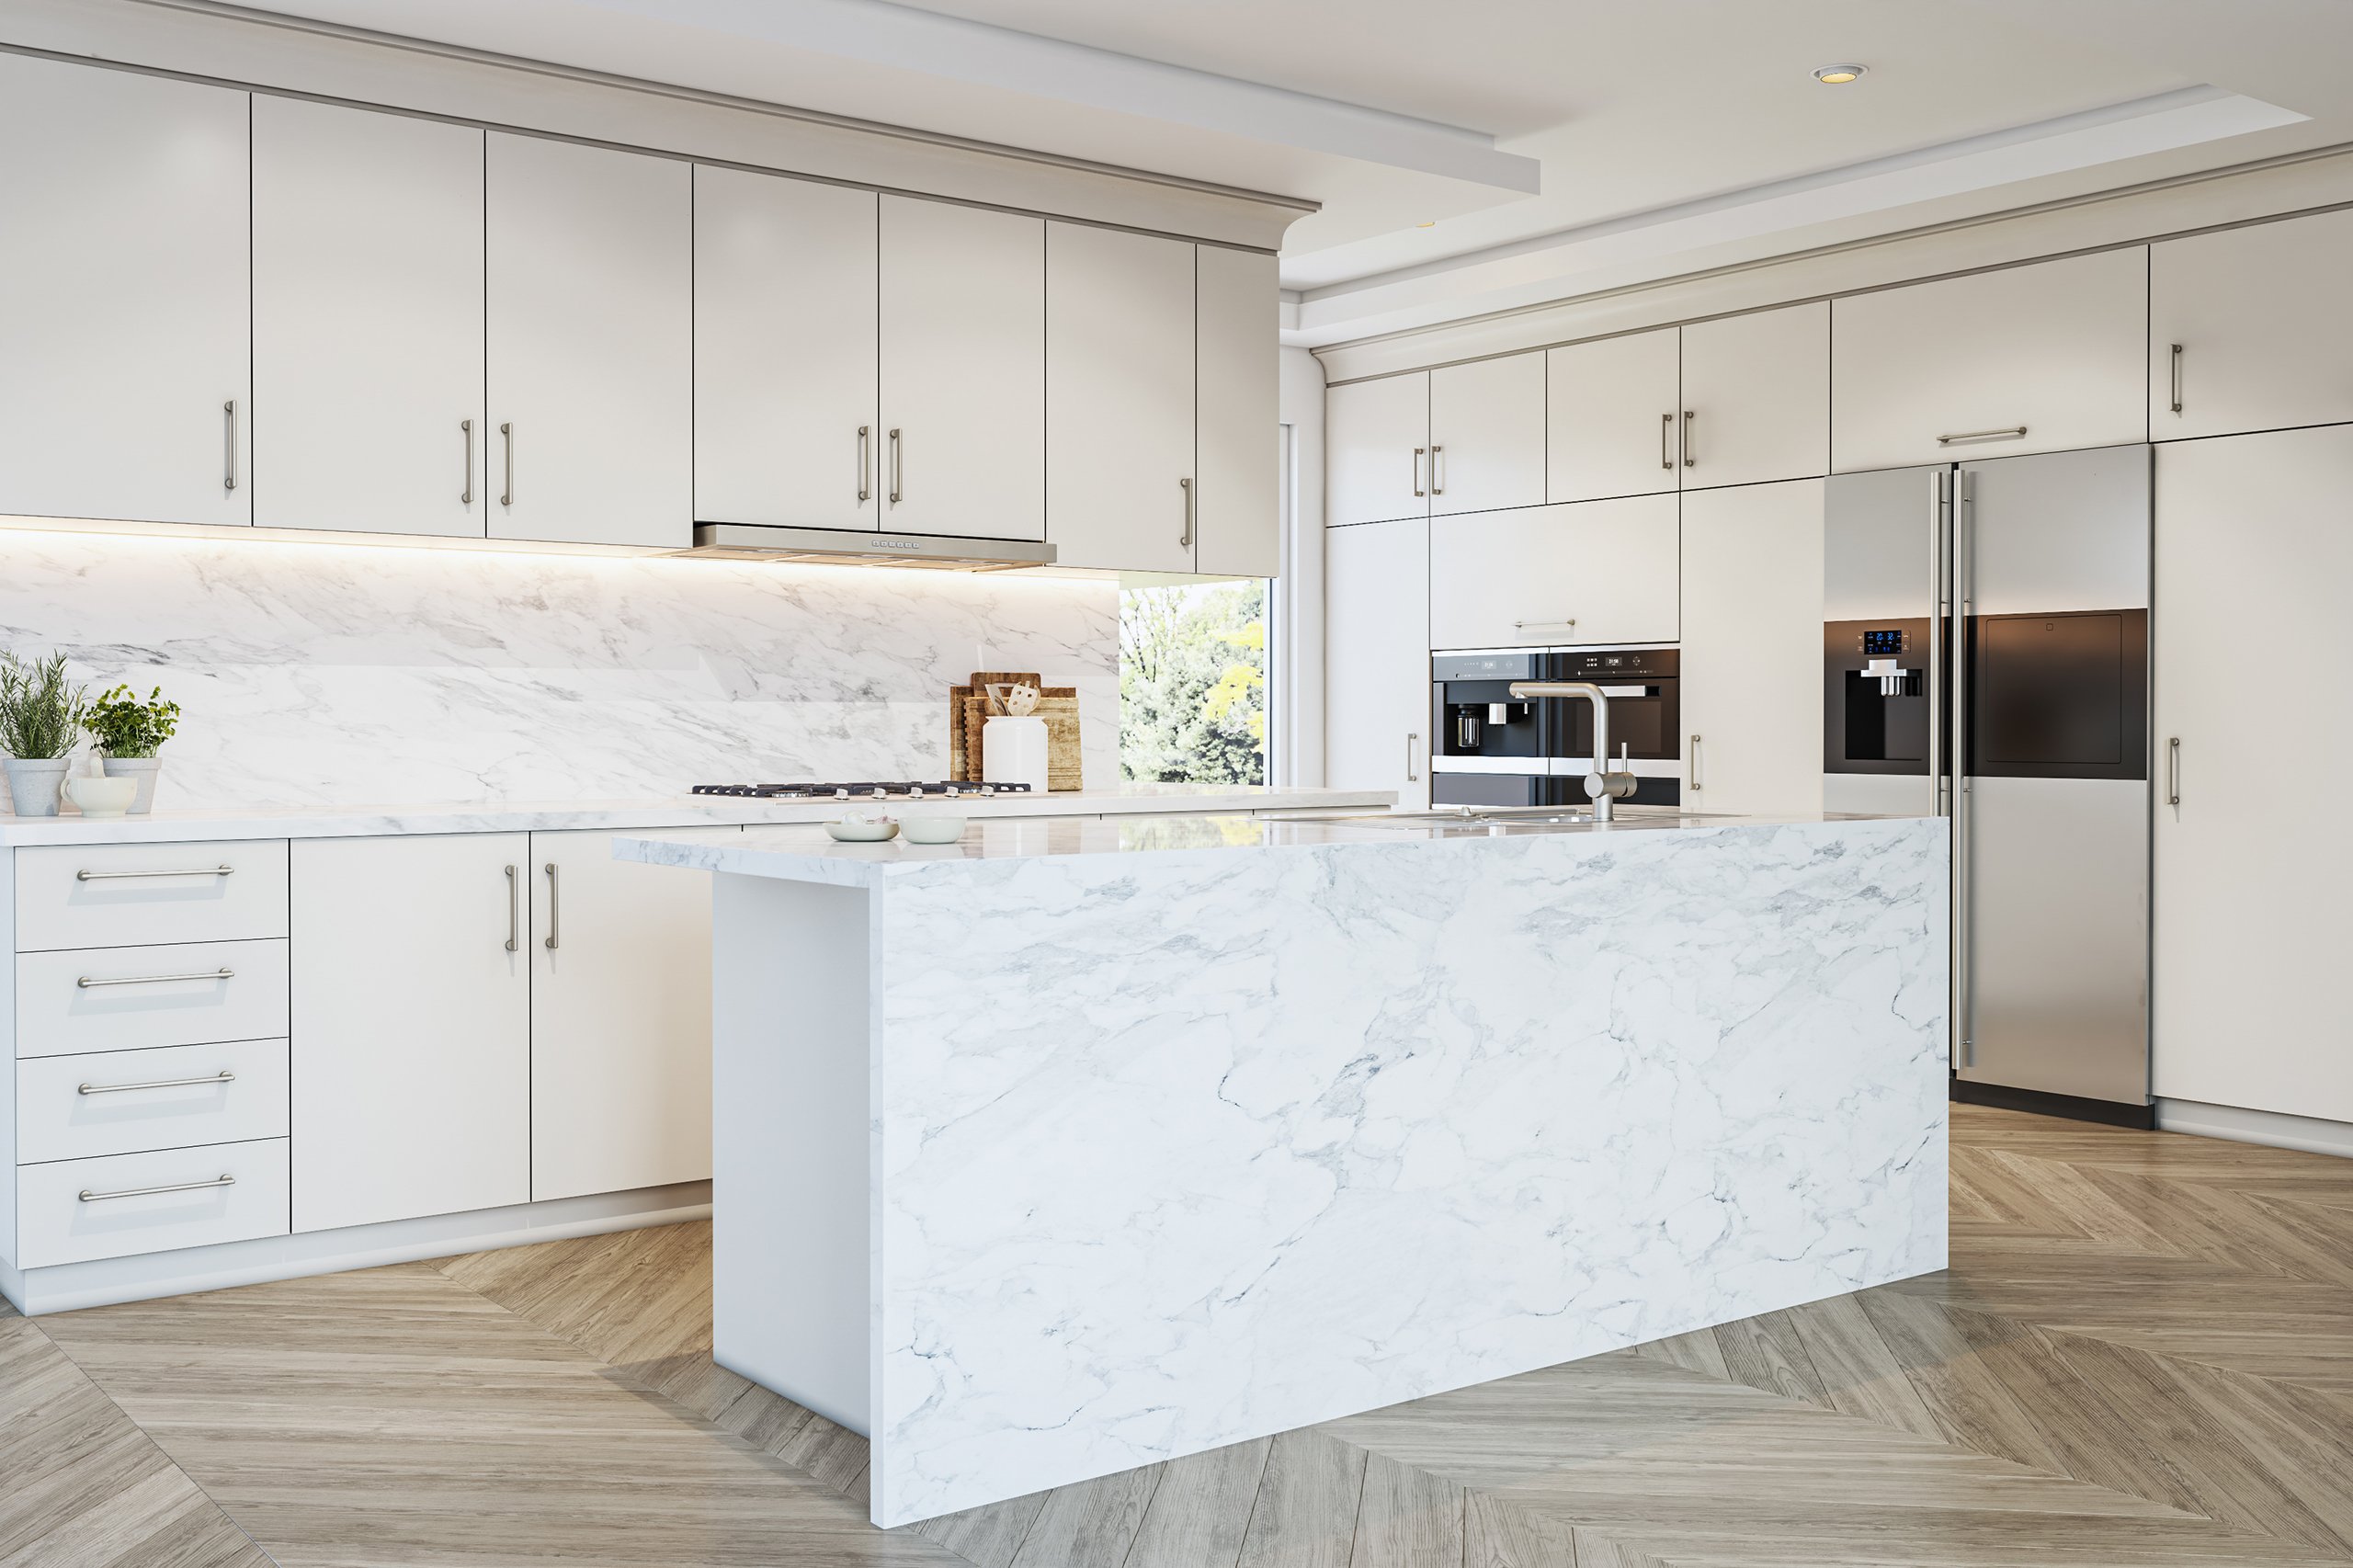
(40, 715)
(129, 731)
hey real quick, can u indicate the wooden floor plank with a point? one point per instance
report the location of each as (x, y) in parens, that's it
(1407, 1518)
(1200, 1510)
(1305, 1513)
(1090, 1524)
(1767, 1352)
(1497, 1534)
(1860, 1375)
(990, 1536)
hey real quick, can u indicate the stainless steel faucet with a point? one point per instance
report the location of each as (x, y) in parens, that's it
(1606, 785)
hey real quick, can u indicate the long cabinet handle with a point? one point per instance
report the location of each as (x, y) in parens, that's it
(229, 445)
(898, 469)
(175, 872)
(2176, 377)
(1694, 780)
(223, 1179)
(466, 496)
(865, 463)
(1562, 621)
(1411, 776)
(1418, 452)
(1438, 475)
(2006, 433)
(1690, 458)
(1964, 510)
(1667, 441)
(223, 1076)
(1186, 539)
(1939, 502)
(514, 911)
(549, 868)
(506, 436)
(2172, 771)
(91, 981)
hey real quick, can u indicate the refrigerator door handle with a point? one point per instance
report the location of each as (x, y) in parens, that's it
(1963, 518)
(1939, 500)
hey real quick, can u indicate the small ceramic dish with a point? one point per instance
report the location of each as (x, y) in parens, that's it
(863, 830)
(934, 830)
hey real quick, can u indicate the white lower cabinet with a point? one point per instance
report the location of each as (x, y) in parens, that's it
(621, 1018)
(411, 1023)
(127, 1102)
(1752, 648)
(81, 1211)
(1594, 572)
(1377, 658)
(2254, 544)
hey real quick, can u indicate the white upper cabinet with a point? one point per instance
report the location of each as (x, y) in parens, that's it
(1752, 648)
(591, 343)
(1487, 434)
(1539, 576)
(2039, 359)
(368, 321)
(1610, 416)
(1377, 449)
(1120, 398)
(963, 370)
(1377, 658)
(786, 334)
(125, 337)
(2252, 329)
(1237, 471)
(1756, 398)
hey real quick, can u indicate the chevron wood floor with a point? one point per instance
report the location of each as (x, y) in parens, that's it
(2143, 1354)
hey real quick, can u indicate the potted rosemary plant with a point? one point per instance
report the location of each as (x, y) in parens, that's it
(39, 714)
(129, 732)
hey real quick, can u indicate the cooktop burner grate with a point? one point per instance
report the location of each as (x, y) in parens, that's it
(868, 789)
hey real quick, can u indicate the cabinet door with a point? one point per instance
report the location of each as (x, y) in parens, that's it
(2254, 544)
(411, 1023)
(1487, 434)
(125, 332)
(963, 370)
(1752, 648)
(591, 329)
(1376, 450)
(2039, 359)
(2262, 324)
(1609, 416)
(785, 339)
(620, 1018)
(368, 355)
(1756, 397)
(1377, 658)
(1118, 399)
(1593, 572)
(1237, 471)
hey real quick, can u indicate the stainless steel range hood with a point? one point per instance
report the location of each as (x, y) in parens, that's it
(759, 541)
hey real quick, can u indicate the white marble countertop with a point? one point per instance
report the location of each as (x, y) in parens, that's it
(653, 814)
(805, 853)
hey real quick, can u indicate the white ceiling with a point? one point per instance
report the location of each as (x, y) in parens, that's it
(1477, 154)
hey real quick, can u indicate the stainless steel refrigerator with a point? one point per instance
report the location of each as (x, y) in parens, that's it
(1986, 657)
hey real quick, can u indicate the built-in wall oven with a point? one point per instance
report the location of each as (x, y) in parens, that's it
(1492, 750)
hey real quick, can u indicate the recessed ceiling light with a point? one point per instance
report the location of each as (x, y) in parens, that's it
(1839, 76)
(1431, 224)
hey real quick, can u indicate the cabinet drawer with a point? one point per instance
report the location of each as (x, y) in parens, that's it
(76, 1210)
(183, 993)
(120, 895)
(126, 1102)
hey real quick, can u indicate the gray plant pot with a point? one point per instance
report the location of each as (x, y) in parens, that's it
(145, 769)
(33, 783)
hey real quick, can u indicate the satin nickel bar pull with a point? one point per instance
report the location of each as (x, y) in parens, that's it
(1417, 471)
(1937, 503)
(2173, 772)
(1965, 509)
(223, 1076)
(125, 876)
(506, 434)
(229, 445)
(1688, 415)
(1438, 486)
(2007, 433)
(1524, 625)
(1696, 785)
(898, 470)
(1186, 539)
(1411, 776)
(514, 911)
(865, 465)
(467, 494)
(91, 981)
(1665, 440)
(549, 868)
(2176, 377)
(223, 1179)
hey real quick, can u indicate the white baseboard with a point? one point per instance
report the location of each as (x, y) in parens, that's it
(2277, 1128)
(67, 1287)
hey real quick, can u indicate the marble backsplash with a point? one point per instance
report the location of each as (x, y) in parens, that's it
(327, 675)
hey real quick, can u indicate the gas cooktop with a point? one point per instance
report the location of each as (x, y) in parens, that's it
(864, 791)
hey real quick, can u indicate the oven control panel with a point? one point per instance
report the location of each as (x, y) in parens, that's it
(1616, 663)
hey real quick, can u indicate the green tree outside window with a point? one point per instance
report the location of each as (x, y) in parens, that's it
(1193, 683)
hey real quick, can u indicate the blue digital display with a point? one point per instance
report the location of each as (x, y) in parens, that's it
(1883, 641)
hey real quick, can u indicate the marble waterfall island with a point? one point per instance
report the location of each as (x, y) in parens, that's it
(1082, 1145)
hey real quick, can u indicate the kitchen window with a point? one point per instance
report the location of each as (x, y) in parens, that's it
(1193, 687)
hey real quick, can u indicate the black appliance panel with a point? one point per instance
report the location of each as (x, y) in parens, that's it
(1866, 728)
(1647, 725)
(1495, 790)
(2060, 696)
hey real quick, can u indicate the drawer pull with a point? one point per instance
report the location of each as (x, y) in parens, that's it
(88, 981)
(1524, 625)
(223, 1076)
(223, 1179)
(121, 876)
(2006, 433)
